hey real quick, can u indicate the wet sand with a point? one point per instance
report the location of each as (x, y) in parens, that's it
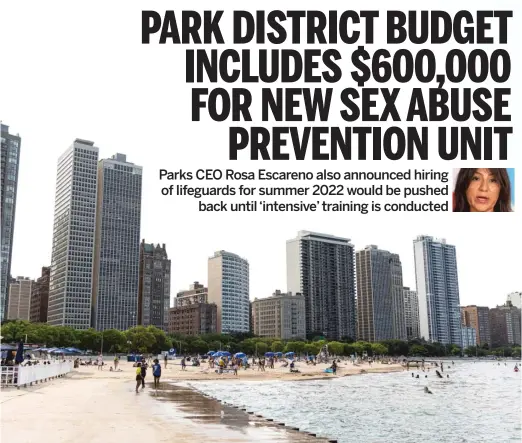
(220, 418)
(100, 406)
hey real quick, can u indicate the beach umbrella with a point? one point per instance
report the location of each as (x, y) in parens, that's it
(279, 354)
(74, 350)
(289, 354)
(240, 355)
(211, 353)
(5, 347)
(20, 353)
(269, 354)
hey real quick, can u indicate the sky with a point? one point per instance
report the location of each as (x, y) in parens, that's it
(81, 72)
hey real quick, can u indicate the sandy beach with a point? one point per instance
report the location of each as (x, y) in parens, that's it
(306, 372)
(90, 405)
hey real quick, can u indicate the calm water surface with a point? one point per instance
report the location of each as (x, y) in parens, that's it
(480, 402)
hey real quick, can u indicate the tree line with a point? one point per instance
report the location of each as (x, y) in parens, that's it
(154, 340)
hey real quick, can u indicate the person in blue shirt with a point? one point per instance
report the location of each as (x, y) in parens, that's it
(156, 372)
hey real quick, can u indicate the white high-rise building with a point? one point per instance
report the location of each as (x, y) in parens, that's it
(229, 289)
(70, 286)
(411, 313)
(437, 290)
(322, 268)
(117, 246)
(514, 298)
(469, 337)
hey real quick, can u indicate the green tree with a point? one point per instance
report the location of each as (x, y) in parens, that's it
(336, 348)
(277, 346)
(161, 341)
(40, 333)
(114, 340)
(64, 336)
(312, 348)
(200, 346)
(379, 349)
(215, 346)
(396, 347)
(455, 350)
(247, 346)
(262, 348)
(349, 349)
(298, 347)
(295, 346)
(418, 350)
(141, 339)
(14, 331)
(89, 339)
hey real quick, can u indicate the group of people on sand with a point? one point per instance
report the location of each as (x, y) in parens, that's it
(141, 373)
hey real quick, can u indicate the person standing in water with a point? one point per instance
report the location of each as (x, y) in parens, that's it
(143, 374)
(156, 372)
(166, 360)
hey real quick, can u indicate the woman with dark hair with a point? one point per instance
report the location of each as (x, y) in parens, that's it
(482, 190)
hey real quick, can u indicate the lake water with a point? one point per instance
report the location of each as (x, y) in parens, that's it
(479, 402)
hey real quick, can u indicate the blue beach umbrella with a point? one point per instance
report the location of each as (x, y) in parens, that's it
(20, 353)
(73, 350)
(269, 354)
(239, 355)
(6, 347)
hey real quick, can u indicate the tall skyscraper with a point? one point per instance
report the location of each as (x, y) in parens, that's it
(229, 289)
(154, 287)
(411, 313)
(438, 290)
(20, 299)
(117, 245)
(380, 303)
(477, 317)
(504, 322)
(70, 286)
(322, 268)
(10, 159)
(40, 297)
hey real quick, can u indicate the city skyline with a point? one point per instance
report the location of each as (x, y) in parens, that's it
(32, 254)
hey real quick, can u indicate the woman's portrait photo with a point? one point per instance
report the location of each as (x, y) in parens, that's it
(483, 190)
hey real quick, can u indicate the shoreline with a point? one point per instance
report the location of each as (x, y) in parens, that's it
(91, 405)
(219, 378)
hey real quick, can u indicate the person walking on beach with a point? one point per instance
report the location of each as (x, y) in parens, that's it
(139, 378)
(183, 364)
(100, 363)
(166, 360)
(143, 374)
(156, 372)
(116, 362)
